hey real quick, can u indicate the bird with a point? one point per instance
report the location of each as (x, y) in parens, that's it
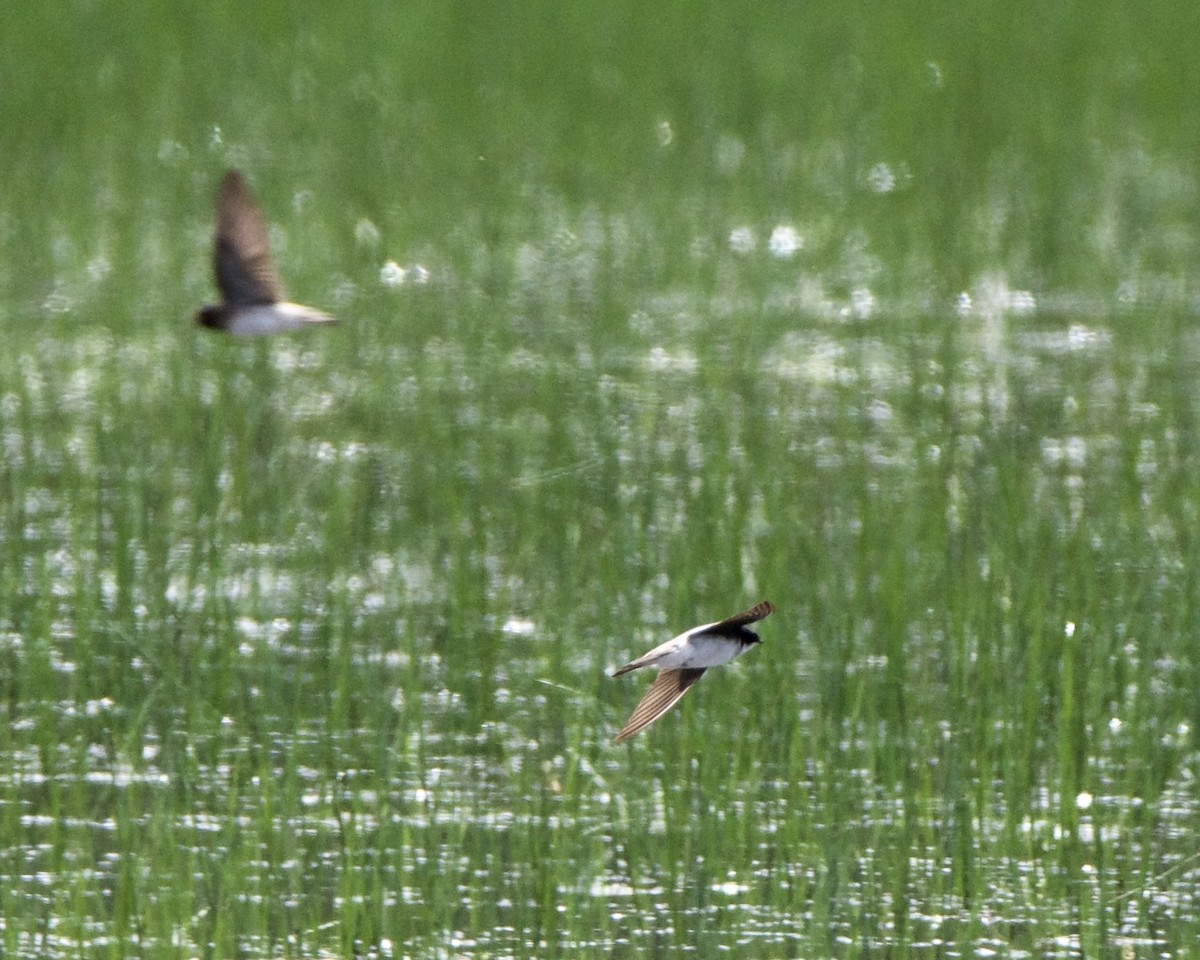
(253, 302)
(682, 660)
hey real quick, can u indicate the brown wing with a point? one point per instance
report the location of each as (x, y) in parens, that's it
(242, 254)
(663, 694)
(760, 611)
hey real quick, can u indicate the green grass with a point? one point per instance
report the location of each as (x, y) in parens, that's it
(304, 644)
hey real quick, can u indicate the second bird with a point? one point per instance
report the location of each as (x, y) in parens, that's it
(253, 301)
(682, 660)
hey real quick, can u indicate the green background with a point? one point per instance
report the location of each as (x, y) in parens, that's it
(883, 312)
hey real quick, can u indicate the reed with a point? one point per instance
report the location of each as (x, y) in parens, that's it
(304, 643)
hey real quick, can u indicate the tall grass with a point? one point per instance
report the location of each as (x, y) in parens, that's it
(304, 644)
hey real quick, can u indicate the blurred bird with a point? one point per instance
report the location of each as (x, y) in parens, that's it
(252, 298)
(682, 660)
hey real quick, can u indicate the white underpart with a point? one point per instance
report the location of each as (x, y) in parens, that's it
(688, 650)
(273, 318)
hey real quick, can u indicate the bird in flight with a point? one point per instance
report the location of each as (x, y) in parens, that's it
(253, 302)
(682, 660)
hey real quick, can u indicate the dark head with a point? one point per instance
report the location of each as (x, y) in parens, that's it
(728, 631)
(211, 317)
(737, 627)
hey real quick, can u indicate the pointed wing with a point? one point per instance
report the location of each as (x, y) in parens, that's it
(663, 694)
(760, 611)
(242, 254)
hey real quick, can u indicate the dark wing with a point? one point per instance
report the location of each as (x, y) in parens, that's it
(760, 611)
(242, 255)
(663, 694)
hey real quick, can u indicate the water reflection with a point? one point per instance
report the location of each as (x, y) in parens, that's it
(351, 664)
